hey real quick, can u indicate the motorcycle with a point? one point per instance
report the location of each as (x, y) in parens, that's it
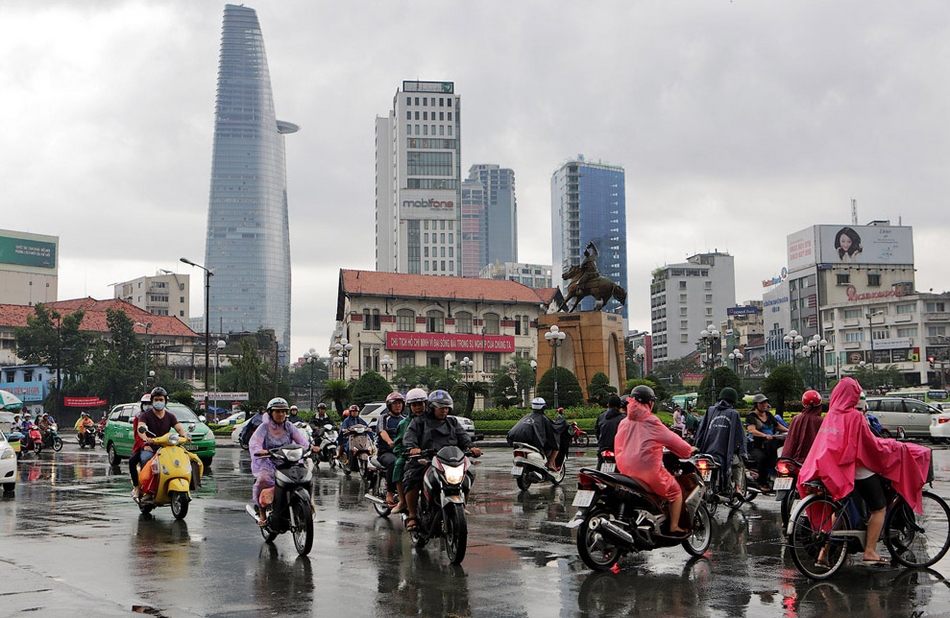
(579, 437)
(326, 438)
(376, 481)
(52, 440)
(445, 486)
(616, 515)
(87, 437)
(784, 486)
(736, 490)
(361, 448)
(606, 461)
(531, 466)
(168, 478)
(291, 509)
(31, 440)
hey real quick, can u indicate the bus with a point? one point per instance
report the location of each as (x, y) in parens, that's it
(686, 400)
(927, 395)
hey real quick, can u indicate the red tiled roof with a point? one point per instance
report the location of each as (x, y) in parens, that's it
(372, 283)
(95, 318)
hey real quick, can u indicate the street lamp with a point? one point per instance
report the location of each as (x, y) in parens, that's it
(555, 338)
(794, 341)
(387, 364)
(640, 353)
(217, 361)
(869, 316)
(448, 361)
(343, 348)
(816, 346)
(146, 325)
(534, 368)
(736, 357)
(310, 357)
(208, 274)
(710, 342)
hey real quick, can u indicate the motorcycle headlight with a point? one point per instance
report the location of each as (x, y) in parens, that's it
(454, 474)
(173, 439)
(293, 454)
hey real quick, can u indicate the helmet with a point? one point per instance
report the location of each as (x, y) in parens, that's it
(354, 409)
(643, 394)
(321, 406)
(416, 395)
(759, 398)
(560, 410)
(346, 413)
(393, 397)
(729, 395)
(441, 399)
(614, 401)
(278, 403)
(538, 403)
(293, 407)
(811, 398)
(862, 402)
(146, 398)
(159, 391)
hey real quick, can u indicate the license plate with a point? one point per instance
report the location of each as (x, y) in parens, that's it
(191, 447)
(516, 470)
(782, 483)
(707, 475)
(608, 466)
(583, 498)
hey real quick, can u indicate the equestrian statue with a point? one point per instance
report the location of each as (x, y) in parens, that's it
(586, 280)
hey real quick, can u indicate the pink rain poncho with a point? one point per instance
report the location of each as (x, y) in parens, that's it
(639, 450)
(845, 441)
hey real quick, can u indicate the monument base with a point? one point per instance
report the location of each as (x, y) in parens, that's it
(594, 342)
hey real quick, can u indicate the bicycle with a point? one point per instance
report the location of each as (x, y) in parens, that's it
(915, 540)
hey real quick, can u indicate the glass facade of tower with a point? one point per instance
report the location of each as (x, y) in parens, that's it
(248, 244)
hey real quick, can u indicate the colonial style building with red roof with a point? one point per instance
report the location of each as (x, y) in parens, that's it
(428, 320)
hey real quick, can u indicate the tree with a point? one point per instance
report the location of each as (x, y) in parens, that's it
(660, 387)
(568, 388)
(629, 385)
(599, 389)
(117, 368)
(337, 392)
(429, 377)
(503, 391)
(878, 378)
(716, 380)
(371, 387)
(783, 384)
(250, 374)
(525, 377)
(53, 340)
(464, 393)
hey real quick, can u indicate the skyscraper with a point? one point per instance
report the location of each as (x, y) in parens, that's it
(418, 209)
(248, 243)
(588, 204)
(497, 223)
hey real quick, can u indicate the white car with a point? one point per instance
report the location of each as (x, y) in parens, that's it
(7, 465)
(234, 419)
(940, 427)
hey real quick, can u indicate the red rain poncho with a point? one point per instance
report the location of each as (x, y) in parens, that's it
(845, 441)
(639, 450)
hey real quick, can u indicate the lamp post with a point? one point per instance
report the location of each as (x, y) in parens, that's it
(817, 346)
(448, 361)
(343, 348)
(218, 346)
(387, 364)
(640, 353)
(870, 317)
(736, 357)
(794, 341)
(147, 326)
(208, 274)
(534, 368)
(555, 338)
(310, 357)
(710, 341)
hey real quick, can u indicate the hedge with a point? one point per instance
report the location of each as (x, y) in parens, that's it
(502, 427)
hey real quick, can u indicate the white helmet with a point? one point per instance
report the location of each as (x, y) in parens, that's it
(538, 403)
(416, 395)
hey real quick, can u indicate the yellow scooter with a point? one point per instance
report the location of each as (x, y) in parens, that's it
(169, 476)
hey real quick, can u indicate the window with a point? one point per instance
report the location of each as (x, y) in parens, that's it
(491, 324)
(854, 336)
(417, 116)
(442, 226)
(417, 100)
(934, 331)
(683, 297)
(405, 320)
(525, 322)
(425, 252)
(907, 332)
(425, 100)
(709, 312)
(683, 311)
(451, 238)
(708, 285)
(405, 358)
(852, 313)
(843, 278)
(425, 115)
(450, 129)
(874, 280)
(682, 285)
(708, 298)
(435, 321)
(463, 322)
(408, 100)
(491, 361)
(906, 308)
(370, 319)
(517, 324)
(934, 307)
(425, 131)
(451, 251)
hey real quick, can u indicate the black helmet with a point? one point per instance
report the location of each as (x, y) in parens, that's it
(729, 395)
(614, 401)
(441, 399)
(643, 394)
(158, 391)
(321, 406)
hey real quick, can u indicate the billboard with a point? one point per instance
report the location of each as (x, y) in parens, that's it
(866, 244)
(27, 252)
(396, 340)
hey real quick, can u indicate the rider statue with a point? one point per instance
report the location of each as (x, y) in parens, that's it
(585, 279)
(589, 270)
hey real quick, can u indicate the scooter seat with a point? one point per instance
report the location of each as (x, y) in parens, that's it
(626, 481)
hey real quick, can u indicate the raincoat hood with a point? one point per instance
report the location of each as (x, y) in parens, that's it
(845, 396)
(637, 411)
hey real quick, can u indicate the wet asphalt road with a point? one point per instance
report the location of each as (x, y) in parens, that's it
(73, 543)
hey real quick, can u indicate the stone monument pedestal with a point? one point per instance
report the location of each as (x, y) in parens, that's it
(594, 342)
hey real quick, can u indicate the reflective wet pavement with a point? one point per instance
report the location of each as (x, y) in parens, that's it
(74, 543)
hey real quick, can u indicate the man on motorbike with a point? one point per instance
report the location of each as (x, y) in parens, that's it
(274, 431)
(154, 420)
(432, 431)
(318, 420)
(640, 439)
(767, 436)
(537, 430)
(606, 427)
(417, 399)
(804, 428)
(349, 420)
(386, 430)
(294, 416)
(251, 426)
(720, 434)
(85, 426)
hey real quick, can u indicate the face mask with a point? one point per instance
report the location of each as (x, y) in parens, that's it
(147, 407)
(159, 405)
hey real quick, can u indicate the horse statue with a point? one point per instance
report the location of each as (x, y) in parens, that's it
(600, 287)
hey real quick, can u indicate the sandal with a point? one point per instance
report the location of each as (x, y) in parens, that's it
(412, 524)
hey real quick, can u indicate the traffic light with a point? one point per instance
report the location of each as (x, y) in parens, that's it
(930, 359)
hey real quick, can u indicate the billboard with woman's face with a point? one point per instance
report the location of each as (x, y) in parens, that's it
(866, 244)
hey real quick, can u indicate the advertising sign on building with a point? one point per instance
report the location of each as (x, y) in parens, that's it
(449, 342)
(802, 249)
(867, 244)
(742, 310)
(27, 392)
(27, 252)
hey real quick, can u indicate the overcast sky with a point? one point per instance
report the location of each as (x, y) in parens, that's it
(737, 123)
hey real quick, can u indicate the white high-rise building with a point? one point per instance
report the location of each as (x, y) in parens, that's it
(418, 180)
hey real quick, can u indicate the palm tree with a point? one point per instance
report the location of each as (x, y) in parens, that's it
(338, 392)
(466, 391)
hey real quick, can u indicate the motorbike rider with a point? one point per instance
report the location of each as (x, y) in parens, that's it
(294, 416)
(804, 428)
(432, 431)
(846, 456)
(767, 435)
(720, 434)
(640, 440)
(251, 426)
(157, 421)
(353, 418)
(606, 427)
(320, 418)
(537, 430)
(275, 431)
(85, 426)
(386, 437)
(417, 399)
